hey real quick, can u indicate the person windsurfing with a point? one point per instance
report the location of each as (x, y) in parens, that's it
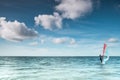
(102, 57)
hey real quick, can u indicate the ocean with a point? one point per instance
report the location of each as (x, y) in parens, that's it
(59, 68)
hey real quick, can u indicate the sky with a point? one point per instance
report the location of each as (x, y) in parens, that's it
(59, 27)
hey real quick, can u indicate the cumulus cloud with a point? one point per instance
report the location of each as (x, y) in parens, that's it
(69, 9)
(49, 21)
(15, 31)
(72, 9)
(59, 40)
(62, 40)
(113, 40)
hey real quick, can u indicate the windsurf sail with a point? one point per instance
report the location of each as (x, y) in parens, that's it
(104, 49)
(104, 56)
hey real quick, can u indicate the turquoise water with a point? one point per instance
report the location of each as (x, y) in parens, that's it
(58, 68)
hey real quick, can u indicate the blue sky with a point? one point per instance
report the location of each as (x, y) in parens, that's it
(59, 27)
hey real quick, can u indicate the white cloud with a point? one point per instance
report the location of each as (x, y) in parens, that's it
(59, 40)
(15, 31)
(33, 43)
(72, 41)
(62, 40)
(72, 9)
(49, 21)
(113, 40)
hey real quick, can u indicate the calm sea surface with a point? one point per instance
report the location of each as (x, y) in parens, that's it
(58, 68)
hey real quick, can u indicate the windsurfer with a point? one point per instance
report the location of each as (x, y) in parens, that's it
(104, 56)
(101, 58)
